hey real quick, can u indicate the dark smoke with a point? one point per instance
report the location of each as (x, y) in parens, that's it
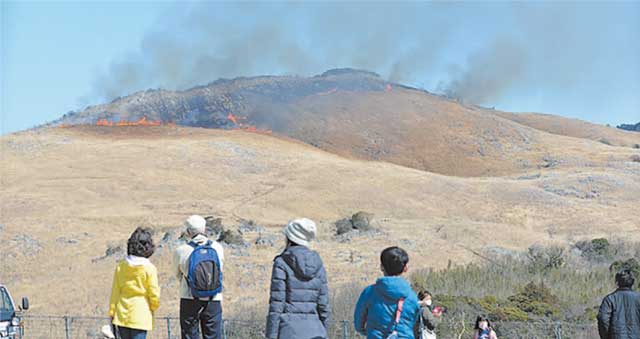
(542, 46)
(207, 43)
(489, 72)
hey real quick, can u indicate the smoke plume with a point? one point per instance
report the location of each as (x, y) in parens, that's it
(475, 60)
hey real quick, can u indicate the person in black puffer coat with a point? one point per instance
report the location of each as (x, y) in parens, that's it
(299, 302)
(619, 315)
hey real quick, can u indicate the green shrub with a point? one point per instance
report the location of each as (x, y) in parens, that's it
(629, 264)
(542, 259)
(598, 249)
(536, 299)
(508, 313)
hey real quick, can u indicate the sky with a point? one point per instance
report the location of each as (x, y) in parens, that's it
(575, 59)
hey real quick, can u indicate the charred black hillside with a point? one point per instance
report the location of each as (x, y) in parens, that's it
(255, 100)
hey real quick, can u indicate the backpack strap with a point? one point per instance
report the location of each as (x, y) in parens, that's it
(398, 313)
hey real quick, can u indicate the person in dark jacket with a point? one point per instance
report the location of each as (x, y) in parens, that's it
(619, 315)
(299, 302)
(429, 317)
(375, 312)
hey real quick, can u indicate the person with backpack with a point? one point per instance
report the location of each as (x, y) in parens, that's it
(299, 301)
(483, 329)
(198, 265)
(389, 308)
(619, 314)
(135, 294)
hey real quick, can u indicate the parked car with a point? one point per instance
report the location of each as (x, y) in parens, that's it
(11, 325)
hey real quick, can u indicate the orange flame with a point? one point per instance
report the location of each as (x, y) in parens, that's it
(142, 122)
(245, 127)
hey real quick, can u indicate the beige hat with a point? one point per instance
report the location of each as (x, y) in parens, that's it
(195, 225)
(300, 231)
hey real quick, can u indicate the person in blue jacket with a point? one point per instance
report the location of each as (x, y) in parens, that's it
(376, 309)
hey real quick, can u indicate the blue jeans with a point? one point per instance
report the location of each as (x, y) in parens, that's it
(128, 333)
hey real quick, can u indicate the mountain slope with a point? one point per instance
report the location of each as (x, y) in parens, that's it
(574, 128)
(70, 194)
(357, 114)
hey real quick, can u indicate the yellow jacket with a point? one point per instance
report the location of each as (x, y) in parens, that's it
(135, 295)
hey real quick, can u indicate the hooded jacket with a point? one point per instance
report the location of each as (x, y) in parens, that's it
(135, 294)
(376, 309)
(299, 302)
(619, 315)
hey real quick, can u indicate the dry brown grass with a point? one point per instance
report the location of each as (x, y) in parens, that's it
(95, 185)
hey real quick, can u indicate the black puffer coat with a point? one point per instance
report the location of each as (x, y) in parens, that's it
(619, 315)
(299, 303)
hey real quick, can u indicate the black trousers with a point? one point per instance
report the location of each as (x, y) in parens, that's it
(201, 316)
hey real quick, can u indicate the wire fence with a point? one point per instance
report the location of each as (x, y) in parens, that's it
(71, 327)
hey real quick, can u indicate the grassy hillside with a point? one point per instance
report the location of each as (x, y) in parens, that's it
(71, 196)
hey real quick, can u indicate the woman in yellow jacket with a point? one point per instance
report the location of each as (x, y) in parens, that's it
(135, 295)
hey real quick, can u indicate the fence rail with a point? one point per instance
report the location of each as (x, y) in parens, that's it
(79, 327)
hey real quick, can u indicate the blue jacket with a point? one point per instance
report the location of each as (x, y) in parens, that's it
(376, 309)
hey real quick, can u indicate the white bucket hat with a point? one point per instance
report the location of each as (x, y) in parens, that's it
(300, 231)
(195, 225)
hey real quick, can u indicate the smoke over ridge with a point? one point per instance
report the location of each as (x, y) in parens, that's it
(413, 43)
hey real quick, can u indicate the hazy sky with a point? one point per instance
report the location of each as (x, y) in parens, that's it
(577, 59)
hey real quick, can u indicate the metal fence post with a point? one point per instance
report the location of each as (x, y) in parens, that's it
(558, 330)
(345, 329)
(66, 327)
(224, 329)
(168, 328)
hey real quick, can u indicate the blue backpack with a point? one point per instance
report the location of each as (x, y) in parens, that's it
(205, 275)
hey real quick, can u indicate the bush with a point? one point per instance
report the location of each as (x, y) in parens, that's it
(629, 264)
(214, 226)
(635, 158)
(545, 258)
(231, 237)
(536, 299)
(598, 249)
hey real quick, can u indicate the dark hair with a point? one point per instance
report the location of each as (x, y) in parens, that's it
(423, 294)
(394, 259)
(141, 243)
(479, 319)
(625, 279)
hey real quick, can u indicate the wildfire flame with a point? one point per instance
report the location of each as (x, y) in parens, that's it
(245, 127)
(142, 122)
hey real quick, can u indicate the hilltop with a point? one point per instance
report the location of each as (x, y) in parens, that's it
(359, 115)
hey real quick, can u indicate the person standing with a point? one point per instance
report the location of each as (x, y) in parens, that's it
(299, 301)
(198, 264)
(619, 314)
(429, 318)
(390, 306)
(135, 294)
